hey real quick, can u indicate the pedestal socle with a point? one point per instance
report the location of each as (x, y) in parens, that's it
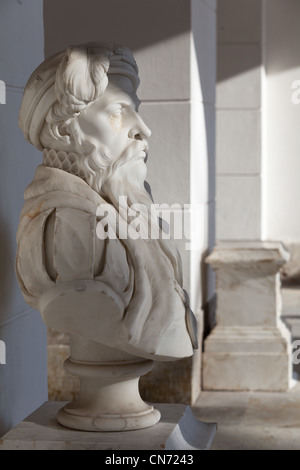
(250, 348)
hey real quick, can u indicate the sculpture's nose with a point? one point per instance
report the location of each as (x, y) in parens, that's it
(139, 130)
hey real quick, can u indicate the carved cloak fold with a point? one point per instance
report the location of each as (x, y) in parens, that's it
(57, 243)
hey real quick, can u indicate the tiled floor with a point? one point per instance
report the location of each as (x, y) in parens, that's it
(252, 420)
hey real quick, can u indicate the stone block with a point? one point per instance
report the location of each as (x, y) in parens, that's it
(168, 59)
(250, 347)
(238, 148)
(238, 208)
(171, 184)
(61, 385)
(168, 380)
(239, 76)
(239, 21)
(243, 371)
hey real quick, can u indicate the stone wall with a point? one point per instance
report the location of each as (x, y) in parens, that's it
(23, 377)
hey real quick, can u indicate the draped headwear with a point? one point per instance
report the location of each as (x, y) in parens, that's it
(72, 79)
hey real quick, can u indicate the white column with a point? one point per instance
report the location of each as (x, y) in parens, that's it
(249, 349)
(282, 68)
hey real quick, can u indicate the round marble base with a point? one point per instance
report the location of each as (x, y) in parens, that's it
(68, 417)
(109, 397)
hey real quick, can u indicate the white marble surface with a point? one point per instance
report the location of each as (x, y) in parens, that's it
(177, 430)
(238, 207)
(250, 348)
(241, 155)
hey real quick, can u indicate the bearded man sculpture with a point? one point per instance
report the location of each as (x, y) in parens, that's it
(120, 299)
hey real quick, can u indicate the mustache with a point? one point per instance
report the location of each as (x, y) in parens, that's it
(100, 168)
(137, 150)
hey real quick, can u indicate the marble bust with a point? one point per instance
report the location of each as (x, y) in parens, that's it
(119, 298)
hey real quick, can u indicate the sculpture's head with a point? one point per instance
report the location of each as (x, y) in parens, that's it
(80, 106)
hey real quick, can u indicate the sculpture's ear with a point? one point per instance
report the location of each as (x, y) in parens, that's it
(63, 133)
(57, 132)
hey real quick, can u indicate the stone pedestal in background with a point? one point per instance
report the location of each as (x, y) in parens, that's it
(250, 348)
(61, 385)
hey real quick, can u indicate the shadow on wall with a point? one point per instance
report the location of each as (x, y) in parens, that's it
(204, 26)
(76, 22)
(282, 22)
(238, 37)
(239, 34)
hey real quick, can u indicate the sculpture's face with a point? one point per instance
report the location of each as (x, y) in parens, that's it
(113, 119)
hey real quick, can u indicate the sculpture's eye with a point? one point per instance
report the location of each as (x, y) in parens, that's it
(117, 114)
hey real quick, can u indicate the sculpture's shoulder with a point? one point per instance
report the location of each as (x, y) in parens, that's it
(57, 235)
(53, 188)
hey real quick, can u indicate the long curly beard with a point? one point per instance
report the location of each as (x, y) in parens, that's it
(124, 176)
(121, 182)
